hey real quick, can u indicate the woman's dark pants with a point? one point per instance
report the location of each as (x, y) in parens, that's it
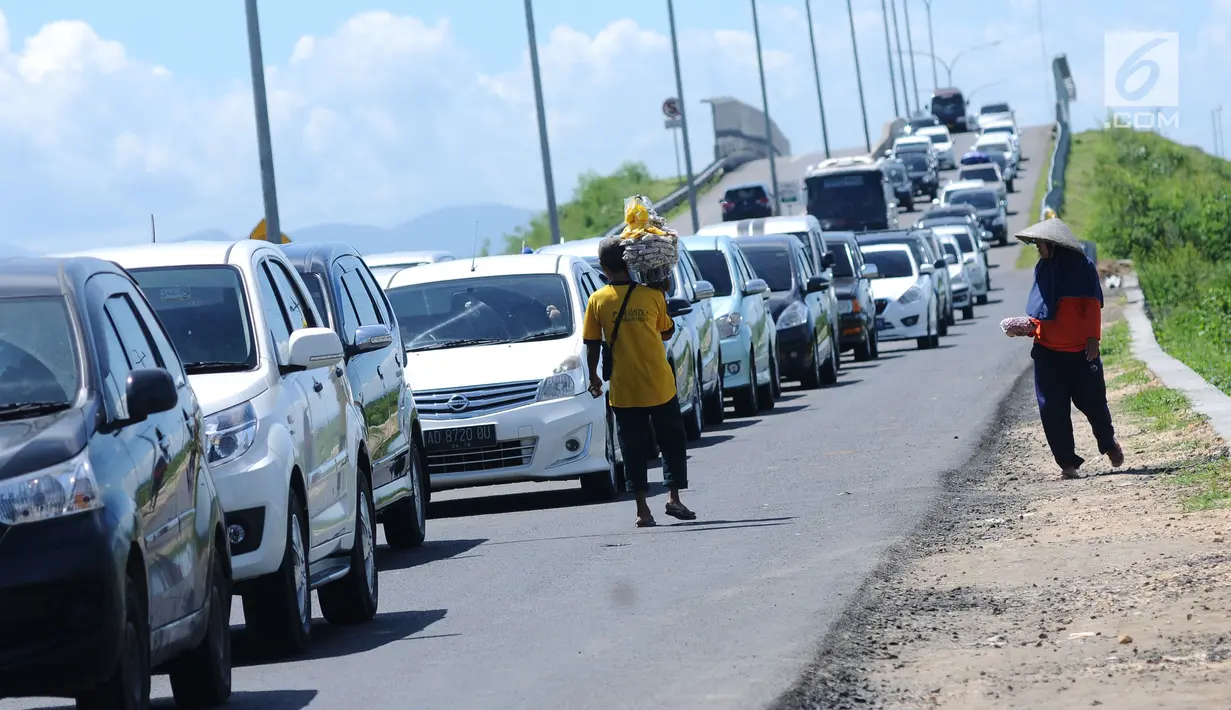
(1063, 380)
(633, 427)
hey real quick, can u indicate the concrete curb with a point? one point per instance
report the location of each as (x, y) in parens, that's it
(1205, 398)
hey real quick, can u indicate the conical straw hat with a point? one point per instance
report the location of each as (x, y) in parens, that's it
(1053, 231)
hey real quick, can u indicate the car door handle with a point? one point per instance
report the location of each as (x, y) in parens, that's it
(337, 371)
(317, 386)
(379, 374)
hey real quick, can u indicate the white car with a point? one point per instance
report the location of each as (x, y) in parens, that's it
(989, 173)
(906, 303)
(403, 259)
(1001, 144)
(972, 256)
(989, 113)
(1007, 127)
(959, 275)
(500, 381)
(286, 442)
(913, 144)
(942, 144)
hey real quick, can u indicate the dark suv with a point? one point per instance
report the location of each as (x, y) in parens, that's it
(903, 187)
(923, 173)
(113, 556)
(747, 202)
(352, 303)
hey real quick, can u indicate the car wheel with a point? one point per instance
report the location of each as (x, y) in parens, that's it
(935, 342)
(942, 324)
(1009, 186)
(694, 425)
(765, 397)
(406, 521)
(812, 378)
(128, 686)
(355, 598)
(202, 678)
(278, 609)
(926, 341)
(829, 372)
(715, 406)
(950, 319)
(981, 300)
(968, 313)
(863, 351)
(746, 404)
(606, 485)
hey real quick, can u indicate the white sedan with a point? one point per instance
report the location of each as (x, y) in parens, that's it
(942, 144)
(906, 304)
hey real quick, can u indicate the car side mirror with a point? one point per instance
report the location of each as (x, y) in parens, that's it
(940, 264)
(816, 284)
(148, 392)
(828, 259)
(704, 290)
(870, 271)
(677, 307)
(756, 286)
(313, 348)
(927, 269)
(985, 246)
(369, 338)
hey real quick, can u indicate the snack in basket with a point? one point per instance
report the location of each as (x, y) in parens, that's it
(651, 248)
(1018, 327)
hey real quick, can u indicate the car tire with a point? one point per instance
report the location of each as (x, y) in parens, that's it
(829, 372)
(355, 598)
(766, 399)
(1003, 240)
(746, 404)
(405, 522)
(128, 686)
(715, 408)
(694, 424)
(951, 319)
(277, 612)
(202, 678)
(981, 300)
(1009, 186)
(812, 378)
(605, 485)
(968, 313)
(926, 341)
(942, 324)
(863, 351)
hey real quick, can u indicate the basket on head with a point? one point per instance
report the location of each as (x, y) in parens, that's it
(651, 248)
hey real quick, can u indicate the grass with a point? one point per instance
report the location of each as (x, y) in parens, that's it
(1207, 484)
(1161, 408)
(1028, 257)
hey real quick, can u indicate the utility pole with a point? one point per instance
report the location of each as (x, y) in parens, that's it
(932, 45)
(816, 70)
(553, 219)
(893, 9)
(679, 92)
(273, 228)
(769, 126)
(910, 46)
(893, 87)
(867, 135)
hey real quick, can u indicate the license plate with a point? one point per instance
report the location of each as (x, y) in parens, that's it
(466, 437)
(880, 323)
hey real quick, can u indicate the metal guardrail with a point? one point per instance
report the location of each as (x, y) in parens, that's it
(680, 196)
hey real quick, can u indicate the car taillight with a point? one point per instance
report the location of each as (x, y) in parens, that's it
(727, 204)
(762, 200)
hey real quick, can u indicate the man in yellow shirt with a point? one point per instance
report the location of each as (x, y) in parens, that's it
(631, 321)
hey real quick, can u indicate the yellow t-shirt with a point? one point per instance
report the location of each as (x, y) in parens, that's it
(640, 373)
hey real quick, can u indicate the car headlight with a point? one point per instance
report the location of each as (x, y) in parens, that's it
(65, 489)
(728, 325)
(793, 316)
(914, 293)
(230, 433)
(566, 380)
(846, 306)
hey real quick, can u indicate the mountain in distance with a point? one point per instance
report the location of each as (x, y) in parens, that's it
(449, 229)
(11, 250)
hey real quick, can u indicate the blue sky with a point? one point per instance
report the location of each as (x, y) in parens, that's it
(135, 106)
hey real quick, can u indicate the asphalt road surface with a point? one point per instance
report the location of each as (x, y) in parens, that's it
(526, 598)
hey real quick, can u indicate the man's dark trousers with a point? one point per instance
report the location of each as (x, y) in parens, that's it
(633, 427)
(1063, 380)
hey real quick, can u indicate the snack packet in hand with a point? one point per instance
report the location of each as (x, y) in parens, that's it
(1018, 327)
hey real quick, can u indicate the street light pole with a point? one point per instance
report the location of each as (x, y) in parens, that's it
(893, 9)
(679, 92)
(910, 45)
(867, 135)
(931, 45)
(816, 70)
(273, 229)
(553, 219)
(769, 131)
(893, 80)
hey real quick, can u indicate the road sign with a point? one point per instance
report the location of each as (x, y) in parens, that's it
(788, 192)
(260, 233)
(672, 123)
(671, 108)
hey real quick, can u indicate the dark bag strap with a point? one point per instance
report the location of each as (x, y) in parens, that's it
(615, 332)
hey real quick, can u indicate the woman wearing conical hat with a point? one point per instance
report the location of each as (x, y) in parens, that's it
(1065, 318)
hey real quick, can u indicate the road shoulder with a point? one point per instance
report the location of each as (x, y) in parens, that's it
(1024, 591)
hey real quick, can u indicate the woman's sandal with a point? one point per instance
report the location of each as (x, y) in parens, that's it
(678, 511)
(646, 522)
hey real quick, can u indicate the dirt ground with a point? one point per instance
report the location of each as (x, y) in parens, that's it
(1026, 591)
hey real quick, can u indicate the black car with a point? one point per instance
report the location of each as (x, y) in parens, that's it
(903, 186)
(949, 106)
(920, 242)
(350, 300)
(807, 337)
(747, 201)
(923, 172)
(852, 283)
(991, 210)
(113, 556)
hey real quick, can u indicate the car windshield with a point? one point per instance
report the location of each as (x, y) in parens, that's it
(999, 129)
(713, 267)
(896, 172)
(995, 108)
(979, 199)
(204, 311)
(964, 241)
(848, 195)
(917, 161)
(482, 310)
(947, 104)
(38, 356)
(844, 265)
(912, 147)
(939, 138)
(925, 122)
(891, 263)
(986, 173)
(992, 147)
(773, 264)
(745, 193)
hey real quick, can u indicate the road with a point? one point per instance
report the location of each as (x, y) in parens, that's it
(526, 598)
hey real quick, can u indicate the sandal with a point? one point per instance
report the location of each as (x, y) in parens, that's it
(678, 511)
(646, 522)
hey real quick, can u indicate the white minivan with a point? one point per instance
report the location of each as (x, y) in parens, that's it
(286, 444)
(497, 366)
